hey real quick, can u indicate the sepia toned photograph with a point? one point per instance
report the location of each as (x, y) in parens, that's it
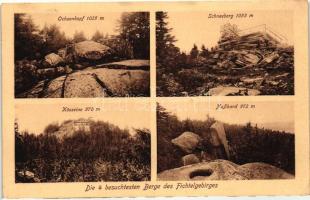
(110, 143)
(146, 99)
(82, 56)
(227, 141)
(226, 53)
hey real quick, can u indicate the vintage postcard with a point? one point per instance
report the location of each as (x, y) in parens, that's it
(155, 99)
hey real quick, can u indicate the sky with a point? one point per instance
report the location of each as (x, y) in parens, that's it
(35, 117)
(196, 27)
(89, 27)
(263, 113)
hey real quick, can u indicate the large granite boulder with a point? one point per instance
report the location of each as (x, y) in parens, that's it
(187, 141)
(190, 159)
(218, 137)
(224, 170)
(47, 73)
(52, 60)
(91, 50)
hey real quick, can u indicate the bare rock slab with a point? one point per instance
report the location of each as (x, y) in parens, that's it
(124, 83)
(263, 171)
(81, 85)
(215, 170)
(54, 88)
(224, 170)
(128, 64)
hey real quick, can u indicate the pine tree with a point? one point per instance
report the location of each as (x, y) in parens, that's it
(98, 36)
(79, 37)
(135, 29)
(53, 38)
(164, 40)
(194, 52)
(229, 31)
(27, 39)
(204, 51)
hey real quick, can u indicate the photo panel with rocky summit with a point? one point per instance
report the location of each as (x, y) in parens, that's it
(225, 141)
(77, 143)
(227, 53)
(82, 55)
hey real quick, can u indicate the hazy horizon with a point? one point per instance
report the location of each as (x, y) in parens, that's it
(268, 114)
(34, 118)
(196, 28)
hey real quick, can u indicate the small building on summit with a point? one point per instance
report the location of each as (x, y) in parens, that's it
(81, 124)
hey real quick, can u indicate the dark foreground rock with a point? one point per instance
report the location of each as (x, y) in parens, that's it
(224, 170)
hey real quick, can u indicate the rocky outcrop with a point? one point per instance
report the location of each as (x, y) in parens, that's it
(122, 83)
(76, 56)
(190, 159)
(68, 128)
(263, 171)
(224, 170)
(54, 88)
(246, 61)
(128, 64)
(27, 177)
(91, 50)
(218, 137)
(93, 82)
(83, 84)
(187, 141)
(52, 60)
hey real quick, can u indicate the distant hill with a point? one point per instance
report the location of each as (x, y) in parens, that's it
(68, 128)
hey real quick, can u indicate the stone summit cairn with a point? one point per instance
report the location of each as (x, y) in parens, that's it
(255, 57)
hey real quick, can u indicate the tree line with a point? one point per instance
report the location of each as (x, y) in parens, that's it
(247, 143)
(132, 40)
(170, 57)
(105, 153)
